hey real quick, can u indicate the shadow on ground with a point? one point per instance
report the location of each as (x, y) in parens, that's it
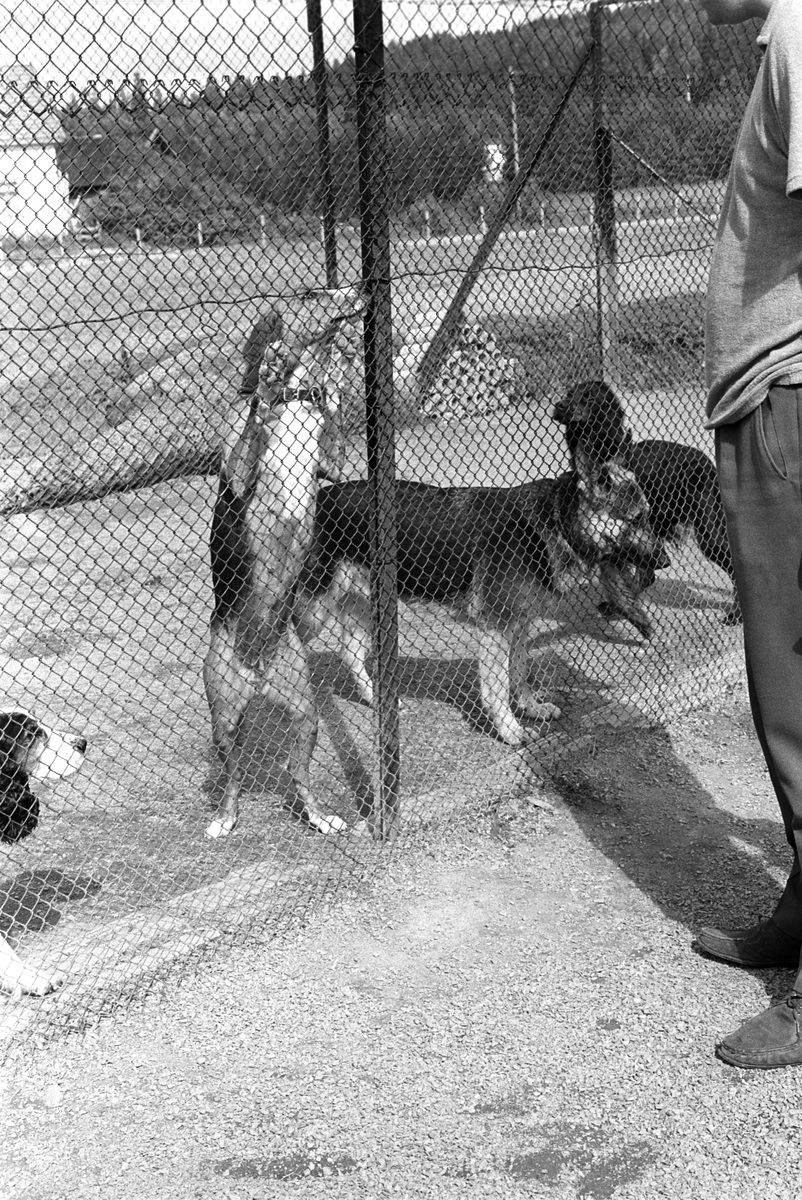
(706, 845)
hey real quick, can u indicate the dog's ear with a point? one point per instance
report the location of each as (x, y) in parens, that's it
(267, 331)
(240, 469)
(269, 327)
(15, 737)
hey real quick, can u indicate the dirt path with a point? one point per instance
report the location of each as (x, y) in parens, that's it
(511, 1010)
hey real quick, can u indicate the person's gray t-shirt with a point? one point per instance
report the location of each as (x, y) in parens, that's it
(754, 297)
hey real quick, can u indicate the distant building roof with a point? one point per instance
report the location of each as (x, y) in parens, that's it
(28, 115)
(87, 163)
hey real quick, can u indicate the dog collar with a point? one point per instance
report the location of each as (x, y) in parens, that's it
(265, 411)
(315, 397)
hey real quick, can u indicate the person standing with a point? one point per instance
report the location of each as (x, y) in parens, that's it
(754, 375)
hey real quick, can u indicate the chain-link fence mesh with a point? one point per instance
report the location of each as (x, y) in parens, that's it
(225, 229)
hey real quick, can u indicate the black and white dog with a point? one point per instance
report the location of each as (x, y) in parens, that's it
(29, 751)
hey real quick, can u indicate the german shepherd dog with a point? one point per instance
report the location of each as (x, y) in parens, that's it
(495, 552)
(678, 481)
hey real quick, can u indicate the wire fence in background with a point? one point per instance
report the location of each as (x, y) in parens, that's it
(435, 243)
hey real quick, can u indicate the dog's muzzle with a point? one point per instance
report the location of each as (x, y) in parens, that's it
(61, 754)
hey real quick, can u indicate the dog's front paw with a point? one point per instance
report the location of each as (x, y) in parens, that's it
(222, 827)
(509, 729)
(534, 708)
(635, 616)
(19, 981)
(326, 824)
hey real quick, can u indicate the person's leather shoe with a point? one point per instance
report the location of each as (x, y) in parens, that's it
(772, 1039)
(762, 945)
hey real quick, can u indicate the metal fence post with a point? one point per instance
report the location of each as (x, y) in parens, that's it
(604, 233)
(314, 20)
(379, 415)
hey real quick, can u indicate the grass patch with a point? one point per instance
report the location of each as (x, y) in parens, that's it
(661, 344)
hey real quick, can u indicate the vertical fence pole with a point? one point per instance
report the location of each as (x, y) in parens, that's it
(516, 147)
(314, 21)
(606, 250)
(375, 232)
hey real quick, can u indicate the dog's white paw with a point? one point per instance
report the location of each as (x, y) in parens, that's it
(509, 730)
(25, 981)
(540, 710)
(532, 706)
(221, 827)
(328, 824)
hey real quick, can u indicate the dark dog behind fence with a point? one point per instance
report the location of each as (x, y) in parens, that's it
(679, 481)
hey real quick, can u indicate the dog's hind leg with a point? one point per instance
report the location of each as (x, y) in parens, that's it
(344, 612)
(300, 694)
(355, 646)
(524, 697)
(229, 689)
(494, 685)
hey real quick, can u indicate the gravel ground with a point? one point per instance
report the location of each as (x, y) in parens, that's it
(513, 1009)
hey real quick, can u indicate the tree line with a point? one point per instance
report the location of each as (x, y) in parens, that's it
(230, 150)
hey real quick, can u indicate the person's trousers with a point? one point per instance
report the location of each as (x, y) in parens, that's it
(759, 461)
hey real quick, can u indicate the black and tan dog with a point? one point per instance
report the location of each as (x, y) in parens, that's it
(29, 751)
(262, 529)
(678, 481)
(494, 552)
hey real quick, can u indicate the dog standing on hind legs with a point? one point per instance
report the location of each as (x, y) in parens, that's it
(262, 528)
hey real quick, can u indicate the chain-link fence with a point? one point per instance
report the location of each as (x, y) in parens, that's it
(352, 392)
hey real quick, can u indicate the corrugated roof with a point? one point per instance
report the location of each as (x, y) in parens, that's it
(28, 115)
